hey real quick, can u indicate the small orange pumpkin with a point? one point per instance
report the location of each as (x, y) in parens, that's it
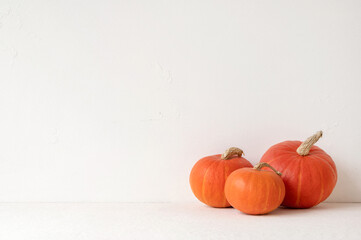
(308, 172)
(209, 175)
(255, 191)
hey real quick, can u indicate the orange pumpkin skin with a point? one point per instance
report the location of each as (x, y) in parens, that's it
(309, 179)
(208, 177)
(254, 191)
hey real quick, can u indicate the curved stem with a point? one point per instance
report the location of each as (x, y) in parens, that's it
(260, 165)
(305, 147)
(230, 152)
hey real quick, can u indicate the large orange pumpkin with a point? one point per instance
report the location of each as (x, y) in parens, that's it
(255, 191)
(308, 172)
(209, 175)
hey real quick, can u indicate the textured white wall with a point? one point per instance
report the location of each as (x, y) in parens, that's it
(116, 100)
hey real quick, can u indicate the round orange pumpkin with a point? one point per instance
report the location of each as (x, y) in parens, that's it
(209, 175)
(308, 172)
(255, 191)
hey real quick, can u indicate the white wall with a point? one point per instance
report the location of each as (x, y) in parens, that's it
(116, 100)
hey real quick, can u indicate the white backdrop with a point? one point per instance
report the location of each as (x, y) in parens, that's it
(116, 100)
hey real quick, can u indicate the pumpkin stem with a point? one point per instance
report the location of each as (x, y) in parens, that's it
(230, 152)
(260, 165)
(305, 147)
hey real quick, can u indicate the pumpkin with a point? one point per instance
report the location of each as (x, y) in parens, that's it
(308, 172)
(209, 175)
(255, 191)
